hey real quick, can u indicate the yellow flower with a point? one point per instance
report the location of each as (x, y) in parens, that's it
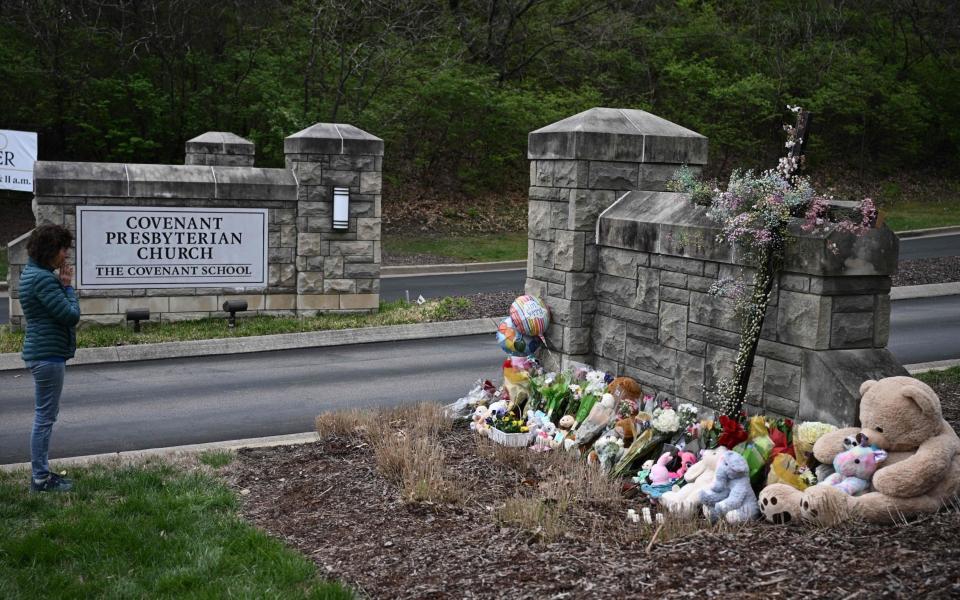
(524, 429)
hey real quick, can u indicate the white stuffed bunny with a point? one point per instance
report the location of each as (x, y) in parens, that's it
(685, 500)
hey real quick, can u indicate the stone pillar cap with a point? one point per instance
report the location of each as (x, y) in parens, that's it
(618, 134)
(220, 142)
(333, 138)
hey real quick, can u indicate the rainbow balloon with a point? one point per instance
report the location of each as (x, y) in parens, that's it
(530, 315)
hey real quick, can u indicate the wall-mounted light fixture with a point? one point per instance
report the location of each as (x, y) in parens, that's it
(341, 208)
(233, 307)
(136, 315)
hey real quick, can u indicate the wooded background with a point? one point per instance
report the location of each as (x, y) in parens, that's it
(454, 87)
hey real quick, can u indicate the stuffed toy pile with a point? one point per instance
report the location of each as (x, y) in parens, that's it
(901, 416)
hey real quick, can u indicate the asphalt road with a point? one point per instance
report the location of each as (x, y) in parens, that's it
(129, 406)
(931, 246)
(925, 329)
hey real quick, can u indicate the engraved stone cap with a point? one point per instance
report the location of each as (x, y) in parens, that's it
(333, 138)
(618, 134)
(220, 148)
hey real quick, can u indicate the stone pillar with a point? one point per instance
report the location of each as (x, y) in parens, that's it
(579, 167)
(219, 148)
(337, 270)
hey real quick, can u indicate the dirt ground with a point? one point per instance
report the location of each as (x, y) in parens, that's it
(331, 502)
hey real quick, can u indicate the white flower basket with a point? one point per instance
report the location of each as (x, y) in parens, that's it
(512, 440)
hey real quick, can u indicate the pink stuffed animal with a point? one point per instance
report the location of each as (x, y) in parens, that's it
(855, 466)
(659, 474)
(687, 459)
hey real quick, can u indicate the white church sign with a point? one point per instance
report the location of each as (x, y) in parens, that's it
(18, 152)
(124, 247)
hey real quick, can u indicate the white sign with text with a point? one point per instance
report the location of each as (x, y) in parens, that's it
(151, 247)
(18, 152)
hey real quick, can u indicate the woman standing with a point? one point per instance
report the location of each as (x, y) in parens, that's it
(52, 312)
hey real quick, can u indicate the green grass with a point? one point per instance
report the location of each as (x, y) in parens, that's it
(489, 248)
(216, 458)
(391, 313)
(949, 376)
(904, 216)
(148, 531)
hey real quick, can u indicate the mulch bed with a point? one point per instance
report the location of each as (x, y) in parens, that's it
(329, 501)
(923, 271)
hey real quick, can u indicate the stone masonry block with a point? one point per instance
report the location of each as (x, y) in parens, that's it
(648, 289)
(543, 254)
(649, 356)
(586, 205)
(689, 266)
(712, 311)
(308, 173)
(351, 249)
(339, 286)
(368, 286)
(565, 312)
(359, 301)
(630, 317)
(309, 282)
(613, 175)
(309, 244)
(318, 302)
(347, 179)
(93, 306)
(579, 286)
(782, 379)
(538, 220)
(368, 229)
(193, 304)
(576, 340)
(670, 294)
(673, 325)
(361, 270)
(570, 173)
(610, 336)
(371, 182)
(689, 379)
(568, 250)
(280, 301)
(852, 330)
(620, 263)
(860, 303)
(541, 173)
(156, 305)
(804, 320)
(881, 325)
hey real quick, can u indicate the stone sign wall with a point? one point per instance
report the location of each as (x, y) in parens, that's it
(310, 267)
(628, 278)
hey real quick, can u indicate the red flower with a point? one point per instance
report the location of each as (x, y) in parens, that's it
(733, 432)
(780, 445)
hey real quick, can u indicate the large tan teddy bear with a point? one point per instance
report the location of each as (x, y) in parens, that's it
(922, 472)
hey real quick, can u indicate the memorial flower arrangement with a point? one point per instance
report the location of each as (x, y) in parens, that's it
(754, 212)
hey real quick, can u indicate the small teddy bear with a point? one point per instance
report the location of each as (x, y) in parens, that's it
(730, 497)
(479, 420)
(854, 467)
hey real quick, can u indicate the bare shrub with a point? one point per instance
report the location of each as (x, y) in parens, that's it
(425, 475)
(429, 420)
(353, 422)
(543, 518)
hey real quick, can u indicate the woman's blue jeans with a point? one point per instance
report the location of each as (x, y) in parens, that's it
(48, 382)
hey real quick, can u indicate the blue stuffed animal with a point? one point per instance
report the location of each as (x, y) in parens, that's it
(730, 497)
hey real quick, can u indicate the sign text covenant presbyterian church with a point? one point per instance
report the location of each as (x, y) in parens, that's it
(122, 247)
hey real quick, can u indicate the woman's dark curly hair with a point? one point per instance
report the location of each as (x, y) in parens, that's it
(45, 243)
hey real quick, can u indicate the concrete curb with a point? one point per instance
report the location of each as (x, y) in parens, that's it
(932, 290)
(932, 231)
(450, 269)
(936, 365)
(138, 455)
(266, 343)
(282, 440)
